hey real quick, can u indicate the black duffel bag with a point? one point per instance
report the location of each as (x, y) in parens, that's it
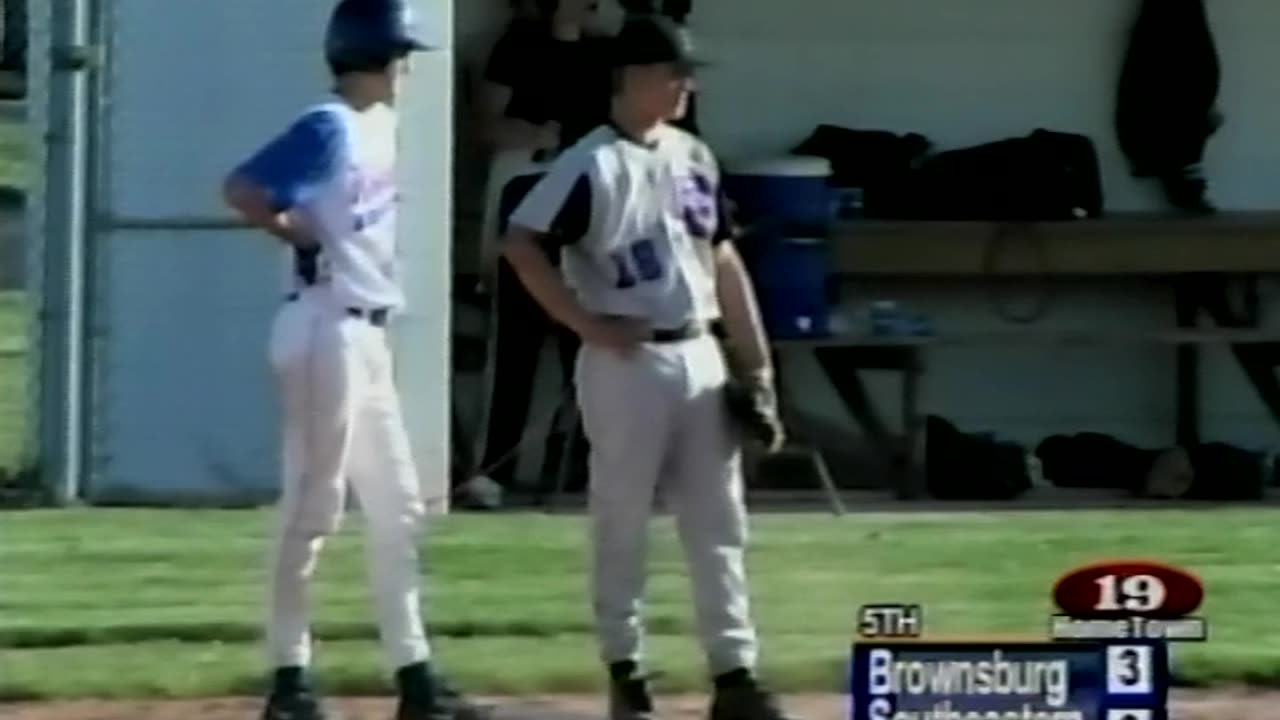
(1046, 175)
(879, 162)
(971, 466)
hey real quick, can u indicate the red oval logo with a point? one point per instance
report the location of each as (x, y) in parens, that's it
(1132, 588)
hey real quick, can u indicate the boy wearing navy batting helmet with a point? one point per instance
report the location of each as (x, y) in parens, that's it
(326, 187)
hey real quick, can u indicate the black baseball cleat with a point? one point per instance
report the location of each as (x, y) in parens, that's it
(441, 708)
(746, 699)
(425, 695)
(629, 694)
(292, 697)
(297, 705)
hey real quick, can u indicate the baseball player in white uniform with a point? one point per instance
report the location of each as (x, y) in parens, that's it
(326, 187)
(648, 272)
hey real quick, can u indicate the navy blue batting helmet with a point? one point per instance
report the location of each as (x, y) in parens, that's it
(370, 34)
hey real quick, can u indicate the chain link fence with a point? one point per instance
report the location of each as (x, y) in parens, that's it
(17, 375)
(18, 369)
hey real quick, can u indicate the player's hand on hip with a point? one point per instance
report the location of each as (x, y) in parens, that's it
(617, 335)
(292, 230)
(549, 136)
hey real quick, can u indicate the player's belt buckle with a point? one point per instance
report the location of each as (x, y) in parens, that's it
(376, 317)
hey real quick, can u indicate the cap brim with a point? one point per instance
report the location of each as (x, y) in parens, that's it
(692, 65)
(414, 45)
(685, 63)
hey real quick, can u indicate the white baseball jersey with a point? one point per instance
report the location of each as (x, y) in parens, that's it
(334, 169)
(637, 221)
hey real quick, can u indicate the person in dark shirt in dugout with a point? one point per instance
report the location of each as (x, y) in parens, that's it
(546, 81)
(546, 84)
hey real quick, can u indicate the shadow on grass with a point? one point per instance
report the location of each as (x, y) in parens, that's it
(342, 680)
(351, 682)
(1261, 678)
(20, 490)
(517, 708)
(65, 637)
(12, 198)
(20, 694)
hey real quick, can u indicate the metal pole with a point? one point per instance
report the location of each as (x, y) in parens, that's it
(62, 347)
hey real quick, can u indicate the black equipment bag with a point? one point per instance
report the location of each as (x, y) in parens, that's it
(878, 161)
(965, 466)
(1046, 175)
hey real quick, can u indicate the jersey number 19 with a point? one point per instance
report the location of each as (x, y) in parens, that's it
(637, 262)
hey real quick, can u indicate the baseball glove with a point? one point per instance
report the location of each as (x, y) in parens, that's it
(753, 408)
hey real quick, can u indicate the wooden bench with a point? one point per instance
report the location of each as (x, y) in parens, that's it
(1134, 245)
(1121, 245)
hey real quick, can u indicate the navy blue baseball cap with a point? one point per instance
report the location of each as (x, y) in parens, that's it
(654, 39)
(371, 32)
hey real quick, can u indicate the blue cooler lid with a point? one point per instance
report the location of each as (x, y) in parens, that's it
(783, 166)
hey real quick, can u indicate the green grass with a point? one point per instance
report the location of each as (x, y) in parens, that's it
(156, 603)
(15, 156)
(13, 378)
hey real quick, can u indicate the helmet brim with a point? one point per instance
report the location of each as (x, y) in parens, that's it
(410, 44)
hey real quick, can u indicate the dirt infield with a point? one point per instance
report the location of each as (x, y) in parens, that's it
(1186, 705)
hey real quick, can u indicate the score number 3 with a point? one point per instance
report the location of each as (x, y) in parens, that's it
(636, 263)
(1129, 670)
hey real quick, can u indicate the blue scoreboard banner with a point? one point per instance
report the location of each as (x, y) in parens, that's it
(1118, 680)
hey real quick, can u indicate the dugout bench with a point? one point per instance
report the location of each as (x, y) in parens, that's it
(1193, 254)
(1185, 252)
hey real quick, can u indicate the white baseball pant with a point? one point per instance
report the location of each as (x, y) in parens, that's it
(657, 420)
(342, 422)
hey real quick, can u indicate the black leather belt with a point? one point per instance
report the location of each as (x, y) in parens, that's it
(680, 334)
(689, 331)
(377, 317)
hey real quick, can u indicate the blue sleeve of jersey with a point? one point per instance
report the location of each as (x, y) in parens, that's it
(294, 164)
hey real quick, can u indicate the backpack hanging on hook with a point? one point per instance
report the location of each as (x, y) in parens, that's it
(1166, 100)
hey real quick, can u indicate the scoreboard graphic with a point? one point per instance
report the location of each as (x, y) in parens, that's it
(1009, 681)
(1106, 655)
